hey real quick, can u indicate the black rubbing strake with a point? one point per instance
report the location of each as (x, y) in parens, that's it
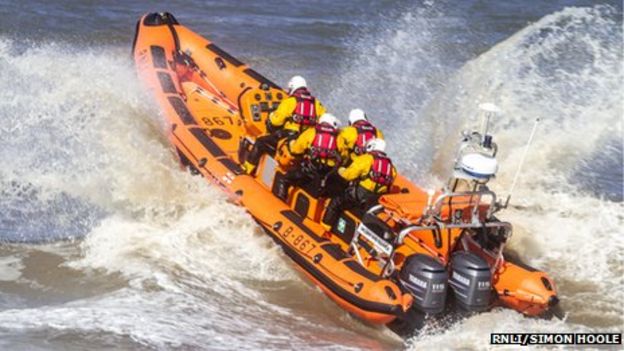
(174, 34)
(356, 267)
(335, 251)
(181, 110)
(298, 221)
(260, 78)
(166, 83)
(367, 305)
(205, 140)
(158, 56)
(231, 165)
(136, 36)
(229, 58)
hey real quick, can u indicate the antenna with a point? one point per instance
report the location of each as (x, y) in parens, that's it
(427, 210)
(490, 109)
(430, 193)
(526, 151)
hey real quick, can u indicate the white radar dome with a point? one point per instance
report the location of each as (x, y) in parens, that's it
(477, 166)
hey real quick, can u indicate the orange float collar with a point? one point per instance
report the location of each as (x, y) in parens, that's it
(310, 268)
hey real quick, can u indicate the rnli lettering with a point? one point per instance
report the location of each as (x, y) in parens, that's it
(297, 241)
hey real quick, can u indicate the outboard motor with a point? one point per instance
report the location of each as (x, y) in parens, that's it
(471, 281)
(426, 279)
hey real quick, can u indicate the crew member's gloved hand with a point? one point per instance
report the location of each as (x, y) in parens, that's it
(269, 126)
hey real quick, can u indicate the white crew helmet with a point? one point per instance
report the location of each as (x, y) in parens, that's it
(329, 119)
(295, 83)
(356, 115)
(376, 145)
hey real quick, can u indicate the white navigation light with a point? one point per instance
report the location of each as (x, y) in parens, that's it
(477, 166)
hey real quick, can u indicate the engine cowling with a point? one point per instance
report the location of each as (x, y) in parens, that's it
(426, 279)
(471, 281)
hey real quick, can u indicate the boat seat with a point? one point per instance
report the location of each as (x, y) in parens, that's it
(279, 186)
(312, 188)
(334, 186)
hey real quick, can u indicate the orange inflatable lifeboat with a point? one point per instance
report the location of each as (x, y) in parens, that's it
(413, 254)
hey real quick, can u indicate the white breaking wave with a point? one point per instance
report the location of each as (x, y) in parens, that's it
(392, 76)
(217, 242)
(195, 270)
(565, 69)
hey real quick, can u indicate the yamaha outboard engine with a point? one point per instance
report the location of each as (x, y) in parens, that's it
(471, 281)
(426, 279)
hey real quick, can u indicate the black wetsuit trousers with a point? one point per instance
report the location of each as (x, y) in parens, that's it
(267, 143)
(306, 172)
(352, 197)
(302, 173)
(316, 178)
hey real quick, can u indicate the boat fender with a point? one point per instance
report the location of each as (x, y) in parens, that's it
(471, 281)
(426, 279)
